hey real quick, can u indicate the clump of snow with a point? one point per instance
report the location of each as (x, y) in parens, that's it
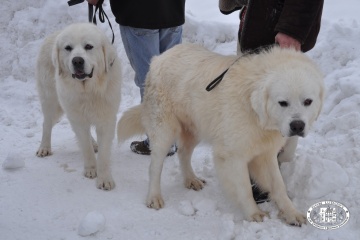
(204, 206)
(13, 161)
(186, 208)
(92, 223)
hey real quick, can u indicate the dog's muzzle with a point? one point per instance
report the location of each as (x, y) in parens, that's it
(297, 127)
(78, 64)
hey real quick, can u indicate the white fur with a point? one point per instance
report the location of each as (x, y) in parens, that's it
(88, 102)
(241, 118)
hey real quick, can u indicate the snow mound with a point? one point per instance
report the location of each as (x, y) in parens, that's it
(313, 178)
(204, 207)
(13, 161)
(186, 208)
(92, 223)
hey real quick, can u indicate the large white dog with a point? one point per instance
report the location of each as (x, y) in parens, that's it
(262, 100)
(78, 72)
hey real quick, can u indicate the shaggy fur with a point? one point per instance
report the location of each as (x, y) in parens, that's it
(78, 72)
(262, 101)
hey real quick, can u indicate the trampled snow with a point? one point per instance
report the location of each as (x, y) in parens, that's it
(48, 198)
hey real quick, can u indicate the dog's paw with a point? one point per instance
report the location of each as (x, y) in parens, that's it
(195, 183)
(293, 218)
(258, 216)
(44, 151)
(155, 202)
(105, 183)
(90, 172)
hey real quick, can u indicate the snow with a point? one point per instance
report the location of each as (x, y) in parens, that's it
(13, 161)
(47, 198)
(186, 208)
(92, 223)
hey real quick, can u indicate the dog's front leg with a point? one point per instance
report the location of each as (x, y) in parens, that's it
(265, 171)
(52, 112)
(234, 177)
(288, 153)
(105, 135)
(45, 146)
(82, 132)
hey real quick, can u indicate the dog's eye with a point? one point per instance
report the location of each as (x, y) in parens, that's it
(88, 47)
(307, 102)
(283, 103)
(68, 48)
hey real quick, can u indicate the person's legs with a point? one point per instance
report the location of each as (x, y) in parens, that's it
(140, 46)
(170, 37)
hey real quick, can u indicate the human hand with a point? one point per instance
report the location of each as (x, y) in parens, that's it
(93, 2)
(286, 41)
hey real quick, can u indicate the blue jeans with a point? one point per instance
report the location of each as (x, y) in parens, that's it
(142, 44)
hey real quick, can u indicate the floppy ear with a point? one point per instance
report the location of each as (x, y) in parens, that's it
(258, 101)
(55, 59)
(109, 53)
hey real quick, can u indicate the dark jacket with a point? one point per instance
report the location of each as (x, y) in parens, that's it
(149, 14)
(299, 19)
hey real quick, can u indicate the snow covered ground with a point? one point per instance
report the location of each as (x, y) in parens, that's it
(48, 198)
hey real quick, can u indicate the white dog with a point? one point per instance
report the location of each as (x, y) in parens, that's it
(262, 100)
(78, 72)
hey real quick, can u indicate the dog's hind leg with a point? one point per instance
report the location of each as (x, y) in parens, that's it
(234, 177)
(264, 169)
(161, 138)
(186, 145)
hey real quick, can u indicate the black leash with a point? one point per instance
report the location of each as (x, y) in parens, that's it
(90, 11)
(217, 80)
(92, 15)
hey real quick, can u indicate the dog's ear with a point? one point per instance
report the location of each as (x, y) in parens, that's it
(55, 58)
(109, 53)
(258, 101)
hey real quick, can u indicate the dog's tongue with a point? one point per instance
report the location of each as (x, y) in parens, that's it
(81, 75)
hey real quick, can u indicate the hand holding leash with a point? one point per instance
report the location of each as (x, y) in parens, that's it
(92, 15)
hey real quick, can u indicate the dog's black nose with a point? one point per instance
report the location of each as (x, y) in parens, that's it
(297, 127)
(78, 62)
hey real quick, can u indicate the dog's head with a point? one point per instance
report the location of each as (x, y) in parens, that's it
(82, 50)
(291, 98)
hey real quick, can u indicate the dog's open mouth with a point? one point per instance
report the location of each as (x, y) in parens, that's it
(81, 75)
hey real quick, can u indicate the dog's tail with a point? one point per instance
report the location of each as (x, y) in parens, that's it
(130, 124)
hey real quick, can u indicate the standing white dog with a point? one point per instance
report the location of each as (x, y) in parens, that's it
(78, 72)
(262, 100)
